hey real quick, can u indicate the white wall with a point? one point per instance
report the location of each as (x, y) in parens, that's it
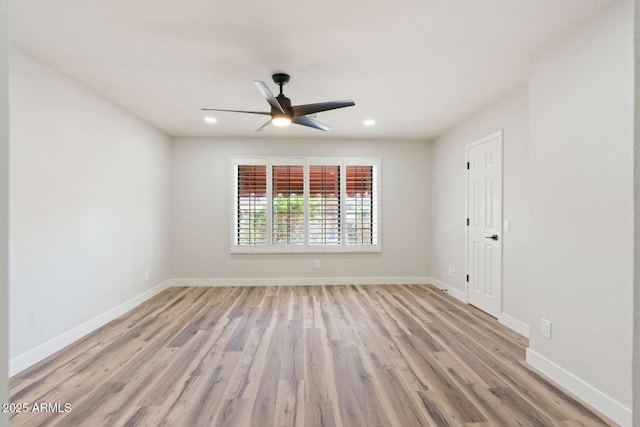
(201, 197)
(4, 206)
(89, 206)
(568, 194)
(581, 272)
(510, 114)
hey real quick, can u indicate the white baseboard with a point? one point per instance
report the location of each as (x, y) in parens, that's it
(451, 290)
(304, 281)
(517, 325)
(594, 397)
(46, 349)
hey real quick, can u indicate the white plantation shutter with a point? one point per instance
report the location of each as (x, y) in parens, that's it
(287, 209)
(324, 205)
(361, 205)
(250, 203)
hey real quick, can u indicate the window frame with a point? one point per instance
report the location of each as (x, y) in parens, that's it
(306, 162)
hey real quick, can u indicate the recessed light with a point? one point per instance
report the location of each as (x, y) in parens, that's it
(369, 122)
(210, 119)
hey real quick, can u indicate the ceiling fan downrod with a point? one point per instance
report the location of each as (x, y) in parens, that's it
(281, 79)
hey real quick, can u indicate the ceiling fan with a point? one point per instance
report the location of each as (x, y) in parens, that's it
(283, 113)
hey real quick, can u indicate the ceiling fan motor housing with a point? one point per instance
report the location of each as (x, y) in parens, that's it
(285, 103)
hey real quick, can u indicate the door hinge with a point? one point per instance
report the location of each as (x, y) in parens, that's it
(467, 277)
(467, 221)
(468, 165)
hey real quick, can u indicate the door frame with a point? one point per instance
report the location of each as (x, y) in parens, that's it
(499, 135)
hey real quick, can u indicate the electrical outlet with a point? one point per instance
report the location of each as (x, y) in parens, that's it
(146, 275)
(546, 328)
(452, 271)
(316, 263)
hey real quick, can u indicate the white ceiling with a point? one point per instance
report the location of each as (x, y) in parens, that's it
(416, 66)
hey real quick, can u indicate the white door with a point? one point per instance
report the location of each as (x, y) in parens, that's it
(484, 219)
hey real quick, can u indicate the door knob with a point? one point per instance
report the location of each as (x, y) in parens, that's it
(492, 237)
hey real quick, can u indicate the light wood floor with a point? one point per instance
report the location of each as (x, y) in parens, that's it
(298, 356)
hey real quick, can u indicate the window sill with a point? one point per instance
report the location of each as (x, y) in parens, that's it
(351, 249)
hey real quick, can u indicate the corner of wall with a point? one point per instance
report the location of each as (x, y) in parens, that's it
(636, 269)
(4, 208)
(451, 290)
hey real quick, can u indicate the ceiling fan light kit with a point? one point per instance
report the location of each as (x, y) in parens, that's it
(283, 113)
(281, 121)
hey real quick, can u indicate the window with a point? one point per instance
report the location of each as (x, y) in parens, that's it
(305, 204)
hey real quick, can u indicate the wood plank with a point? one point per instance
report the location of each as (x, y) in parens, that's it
(298, 356)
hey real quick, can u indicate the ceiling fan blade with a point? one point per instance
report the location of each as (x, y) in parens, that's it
(306, 121)
(261, 128)
(268, 95)
(303, 110)
(237, 111)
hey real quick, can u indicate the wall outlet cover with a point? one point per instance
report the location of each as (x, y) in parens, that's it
(546, 328)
